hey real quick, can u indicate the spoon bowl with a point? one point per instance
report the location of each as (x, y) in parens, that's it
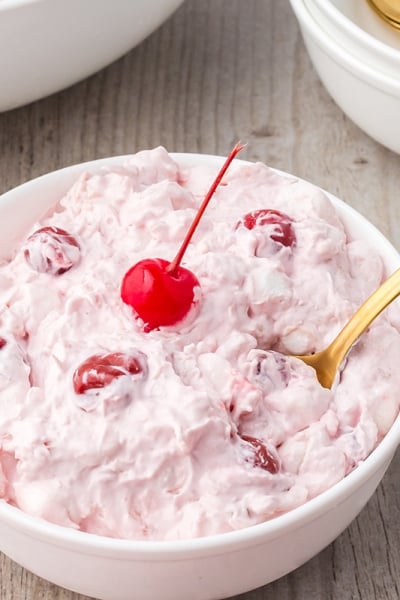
(327, 362)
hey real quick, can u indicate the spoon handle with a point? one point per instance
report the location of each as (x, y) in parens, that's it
(367, 312)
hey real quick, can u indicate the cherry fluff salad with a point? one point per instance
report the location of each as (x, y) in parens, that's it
(116, 422)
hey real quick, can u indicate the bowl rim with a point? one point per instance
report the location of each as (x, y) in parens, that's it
(8, 5)
(355, 31)
(170, 550)
(11, 4)
(359, 68)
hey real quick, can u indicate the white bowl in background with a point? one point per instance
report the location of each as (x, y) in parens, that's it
(47, 45)
(370, 98)
(359, 30)
(205, 568)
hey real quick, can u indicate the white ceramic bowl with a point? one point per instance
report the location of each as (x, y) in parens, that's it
(356, 27)
(369, 97)
(200, 569)
(47, 45)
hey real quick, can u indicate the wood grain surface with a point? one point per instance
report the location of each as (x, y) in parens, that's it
(216, 72)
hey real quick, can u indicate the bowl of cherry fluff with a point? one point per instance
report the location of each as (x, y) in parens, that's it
(158, 437)
(46, 46)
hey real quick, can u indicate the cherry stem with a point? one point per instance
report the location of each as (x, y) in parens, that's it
(171, 268)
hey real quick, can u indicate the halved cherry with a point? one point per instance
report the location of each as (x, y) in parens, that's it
(100, 370)
(262, 457)
(279, 224)
(51, 250)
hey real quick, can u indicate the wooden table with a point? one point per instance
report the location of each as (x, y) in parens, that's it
(216, 72)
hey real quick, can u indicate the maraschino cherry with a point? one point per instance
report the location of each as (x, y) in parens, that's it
(51, 250)
(262, 458)
(100, 370)
(162, 292)
(280, 224)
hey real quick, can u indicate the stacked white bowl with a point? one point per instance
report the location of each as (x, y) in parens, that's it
(357, 56)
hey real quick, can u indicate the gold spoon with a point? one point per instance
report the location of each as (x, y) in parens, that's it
(327, 362)
(388, 10)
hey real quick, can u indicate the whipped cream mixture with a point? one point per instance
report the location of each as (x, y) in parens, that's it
(202, 427)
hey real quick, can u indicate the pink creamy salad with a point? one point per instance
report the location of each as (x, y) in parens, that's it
(202, 427)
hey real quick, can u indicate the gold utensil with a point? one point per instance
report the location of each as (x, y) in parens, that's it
(327, 362)
(389, 10)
